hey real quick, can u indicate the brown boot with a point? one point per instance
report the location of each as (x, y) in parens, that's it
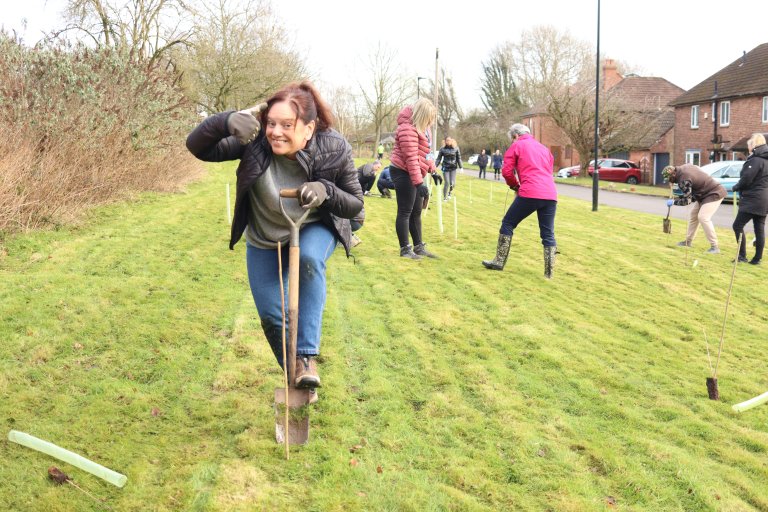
(306, 372)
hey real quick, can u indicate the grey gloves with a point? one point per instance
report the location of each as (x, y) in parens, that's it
(423, 190)
(312, 194)
(244, 125)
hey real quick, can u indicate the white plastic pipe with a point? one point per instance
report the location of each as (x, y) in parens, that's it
(229, 210)
(753, 402)
(67, 456)
(439, 208)
(455, 220)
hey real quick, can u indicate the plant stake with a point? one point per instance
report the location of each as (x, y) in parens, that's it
(712, 390)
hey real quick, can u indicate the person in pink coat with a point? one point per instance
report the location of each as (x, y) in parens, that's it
(527, 170)
(408, 169)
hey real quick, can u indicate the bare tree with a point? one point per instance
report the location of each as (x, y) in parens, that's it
(500, 95)
(238, 55)
(448, 109)
(545, 59)
(142, 29)
(621, 124)
(350, 113)
(387, 90)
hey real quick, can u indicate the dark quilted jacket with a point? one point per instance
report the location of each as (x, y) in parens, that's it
(327, 159)
(753, 183)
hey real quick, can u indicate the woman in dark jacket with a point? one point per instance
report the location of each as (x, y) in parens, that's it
(753, 203)
(450, 156)
(297, 149)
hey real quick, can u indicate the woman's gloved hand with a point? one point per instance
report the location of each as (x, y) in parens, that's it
(244, 125)
(437, 178)
(312, 194)
(423, 190)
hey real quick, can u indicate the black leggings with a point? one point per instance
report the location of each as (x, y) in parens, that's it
(408, 207)
(758, 221)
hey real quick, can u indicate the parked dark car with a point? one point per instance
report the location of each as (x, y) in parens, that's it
(613, 169)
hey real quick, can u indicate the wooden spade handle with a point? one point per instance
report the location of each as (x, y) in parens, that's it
(289, 192)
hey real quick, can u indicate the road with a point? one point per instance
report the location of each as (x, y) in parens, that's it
(647, 204)
(657, 205)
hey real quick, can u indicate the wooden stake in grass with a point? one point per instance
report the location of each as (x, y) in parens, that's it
(285, 353)
(714, 393)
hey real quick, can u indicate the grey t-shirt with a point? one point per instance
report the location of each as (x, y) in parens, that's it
(266, 224)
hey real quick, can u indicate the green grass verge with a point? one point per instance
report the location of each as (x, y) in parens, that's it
(650, 190)
(133, 341)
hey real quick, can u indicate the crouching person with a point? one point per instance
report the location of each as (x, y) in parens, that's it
(385, 183)
(297, 148)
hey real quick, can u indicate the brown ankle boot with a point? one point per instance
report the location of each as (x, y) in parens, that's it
(306, 372)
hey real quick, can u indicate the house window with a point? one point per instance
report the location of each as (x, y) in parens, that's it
(725, 113)
(693, 157)
(765, 109)
(695, 116)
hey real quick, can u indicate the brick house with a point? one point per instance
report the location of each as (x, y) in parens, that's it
(646, 94)
(714, 118)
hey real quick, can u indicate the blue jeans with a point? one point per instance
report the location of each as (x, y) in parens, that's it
(317, 243)
(522, 207)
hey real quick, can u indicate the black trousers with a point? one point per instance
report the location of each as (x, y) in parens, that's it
(366, 182)
(758, 222)
(409, 203)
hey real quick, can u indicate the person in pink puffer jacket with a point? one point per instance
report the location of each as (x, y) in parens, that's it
(408, 169)
(528, 171)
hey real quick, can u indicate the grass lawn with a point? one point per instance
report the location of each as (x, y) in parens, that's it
(133, 341)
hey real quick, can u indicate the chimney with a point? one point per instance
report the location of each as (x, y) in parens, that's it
(611, 76)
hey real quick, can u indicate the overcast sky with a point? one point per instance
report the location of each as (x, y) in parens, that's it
(684, 41)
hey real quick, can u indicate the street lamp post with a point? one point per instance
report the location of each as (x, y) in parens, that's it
(418, 89)
(596, 172)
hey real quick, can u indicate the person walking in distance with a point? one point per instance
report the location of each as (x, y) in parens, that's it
(705, 193)
(527, 170)
(482, 163)
(496, 161)
(753, 190)
(298, 148)
(450, 156)
(408, 169)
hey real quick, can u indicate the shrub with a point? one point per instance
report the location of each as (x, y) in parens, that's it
(84, 127)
